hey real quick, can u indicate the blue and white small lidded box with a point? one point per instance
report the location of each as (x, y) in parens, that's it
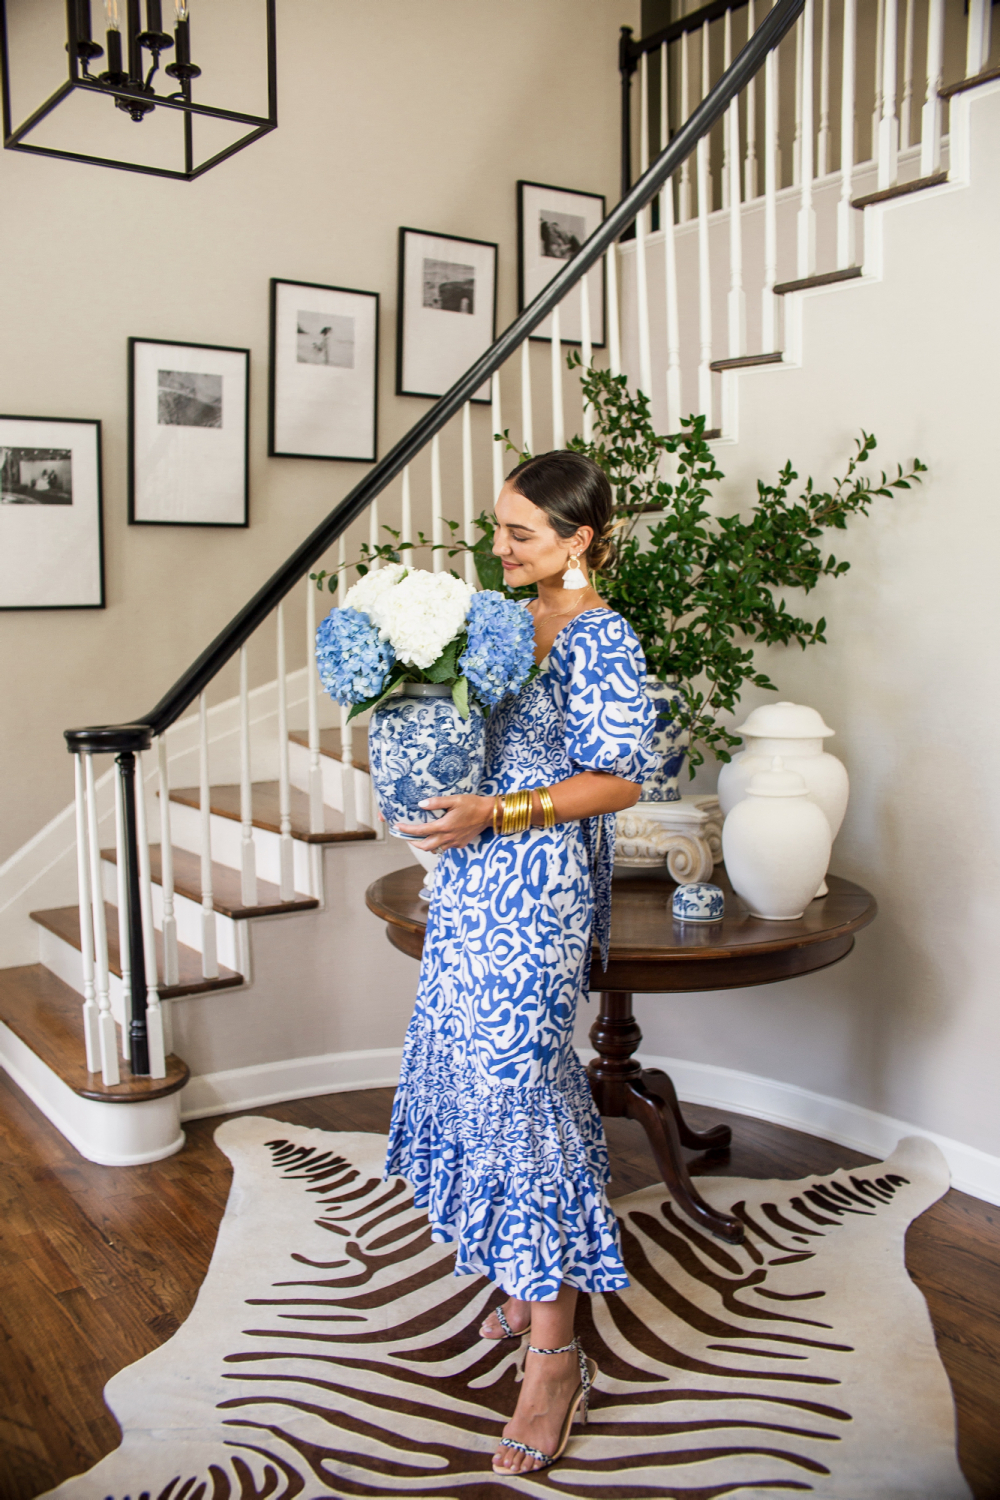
(699, 901)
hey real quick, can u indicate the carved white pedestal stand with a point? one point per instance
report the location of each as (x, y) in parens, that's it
(685, 835)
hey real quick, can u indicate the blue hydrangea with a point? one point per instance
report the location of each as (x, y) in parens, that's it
(501, 648)
(353, 663)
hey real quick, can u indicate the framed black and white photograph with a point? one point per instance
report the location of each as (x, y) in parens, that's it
(323, 372)
(552, 224)
(51, 540)
(188, 434)
(447, 310)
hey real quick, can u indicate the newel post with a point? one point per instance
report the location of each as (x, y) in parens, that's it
(138, 1040)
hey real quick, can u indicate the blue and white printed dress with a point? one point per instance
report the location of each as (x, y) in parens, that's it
(494, 1125)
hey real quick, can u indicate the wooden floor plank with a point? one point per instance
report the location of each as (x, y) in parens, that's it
(143, 1238)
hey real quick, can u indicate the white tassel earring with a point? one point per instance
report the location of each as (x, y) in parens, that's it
(573, 578)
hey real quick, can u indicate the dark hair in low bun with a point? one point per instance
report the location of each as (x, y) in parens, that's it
(573, 491)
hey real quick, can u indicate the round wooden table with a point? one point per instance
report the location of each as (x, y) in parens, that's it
(651, 952)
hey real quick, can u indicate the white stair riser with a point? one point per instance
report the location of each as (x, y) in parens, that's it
(187, 914)
(333, 781)
(66, 963)
(227, 844)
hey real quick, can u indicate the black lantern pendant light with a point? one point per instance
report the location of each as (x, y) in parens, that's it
(132, 56)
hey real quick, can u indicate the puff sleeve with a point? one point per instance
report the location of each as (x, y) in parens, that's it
(599, 684)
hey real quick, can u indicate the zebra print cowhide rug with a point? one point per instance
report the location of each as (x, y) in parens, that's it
(332, 1354)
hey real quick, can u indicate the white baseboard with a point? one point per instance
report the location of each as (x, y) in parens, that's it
(973, 1171)
(294, 1078)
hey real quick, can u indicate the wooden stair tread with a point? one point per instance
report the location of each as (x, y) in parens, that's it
(747, 361)
(329, 744)
(227, 885)
(225, 802)
(64, 921)
(47, 1016)
(900, 189)
(824, 278)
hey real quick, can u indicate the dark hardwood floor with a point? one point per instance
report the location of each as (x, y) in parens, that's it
(99, 1265)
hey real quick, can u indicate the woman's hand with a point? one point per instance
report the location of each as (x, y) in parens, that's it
(464, 820)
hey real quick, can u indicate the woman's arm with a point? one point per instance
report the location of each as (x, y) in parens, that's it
(582, 796)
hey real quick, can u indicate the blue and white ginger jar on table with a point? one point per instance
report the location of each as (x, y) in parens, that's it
(419, 746)
(670, 741)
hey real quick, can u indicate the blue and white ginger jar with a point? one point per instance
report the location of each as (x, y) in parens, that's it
(670, 741)
(419, 746)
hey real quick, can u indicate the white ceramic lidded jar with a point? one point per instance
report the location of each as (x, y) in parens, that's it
(776, 844)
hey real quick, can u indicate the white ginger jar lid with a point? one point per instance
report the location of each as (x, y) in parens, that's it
(777, 782)
(785, 721)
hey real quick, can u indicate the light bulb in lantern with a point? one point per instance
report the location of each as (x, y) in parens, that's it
(112, 15)
(182, 10)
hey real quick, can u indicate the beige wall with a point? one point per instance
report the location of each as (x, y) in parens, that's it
(418, 112)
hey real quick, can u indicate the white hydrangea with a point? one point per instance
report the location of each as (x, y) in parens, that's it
(421, 614)
(371, 586)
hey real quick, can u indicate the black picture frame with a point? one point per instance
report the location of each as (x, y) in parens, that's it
(203, 483)
(424, 357)
(27, 565)
(331, 389)
(593, 209)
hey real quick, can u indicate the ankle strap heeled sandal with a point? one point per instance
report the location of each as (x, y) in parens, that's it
(579, 1402)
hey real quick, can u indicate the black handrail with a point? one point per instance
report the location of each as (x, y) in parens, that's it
(138, 735)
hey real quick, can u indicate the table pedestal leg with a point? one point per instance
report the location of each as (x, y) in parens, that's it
(621, 1088)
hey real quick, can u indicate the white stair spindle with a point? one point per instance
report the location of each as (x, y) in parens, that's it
(930, 123)
(845, 213)
(641, 281)
(171, 966)
(437, 519)
(558, 419)
(105, 1020)
(823, 139)
(704, 259)
(877, 108)
(373, 531)
(209, 955)
(797, 141)
(91, 1028)
(727, 57)
(975, 57)
(154, 1012)
(769, 334)
(124, 937)
(684, 190)
(614, 333)
(527, 424)
(670, 263)
(750, 163)
(888, 133)
(316, 821)
(807, 213)
(737, 296)
(348, 791)
(248, 849)
(406, 511)
(906, 107)
(586, 352)
(642, 308)
(497, 418)
(286, 849)
(468, 505)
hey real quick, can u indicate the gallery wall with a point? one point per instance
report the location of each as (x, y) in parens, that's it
(401, 112)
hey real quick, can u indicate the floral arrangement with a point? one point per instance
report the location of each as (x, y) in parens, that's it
(400, 624)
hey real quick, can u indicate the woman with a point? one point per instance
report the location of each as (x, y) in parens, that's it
(494, 1124)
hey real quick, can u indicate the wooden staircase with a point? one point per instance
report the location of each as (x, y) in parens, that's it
(41, 1017)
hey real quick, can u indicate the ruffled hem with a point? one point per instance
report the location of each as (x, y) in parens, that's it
(515, 1176)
